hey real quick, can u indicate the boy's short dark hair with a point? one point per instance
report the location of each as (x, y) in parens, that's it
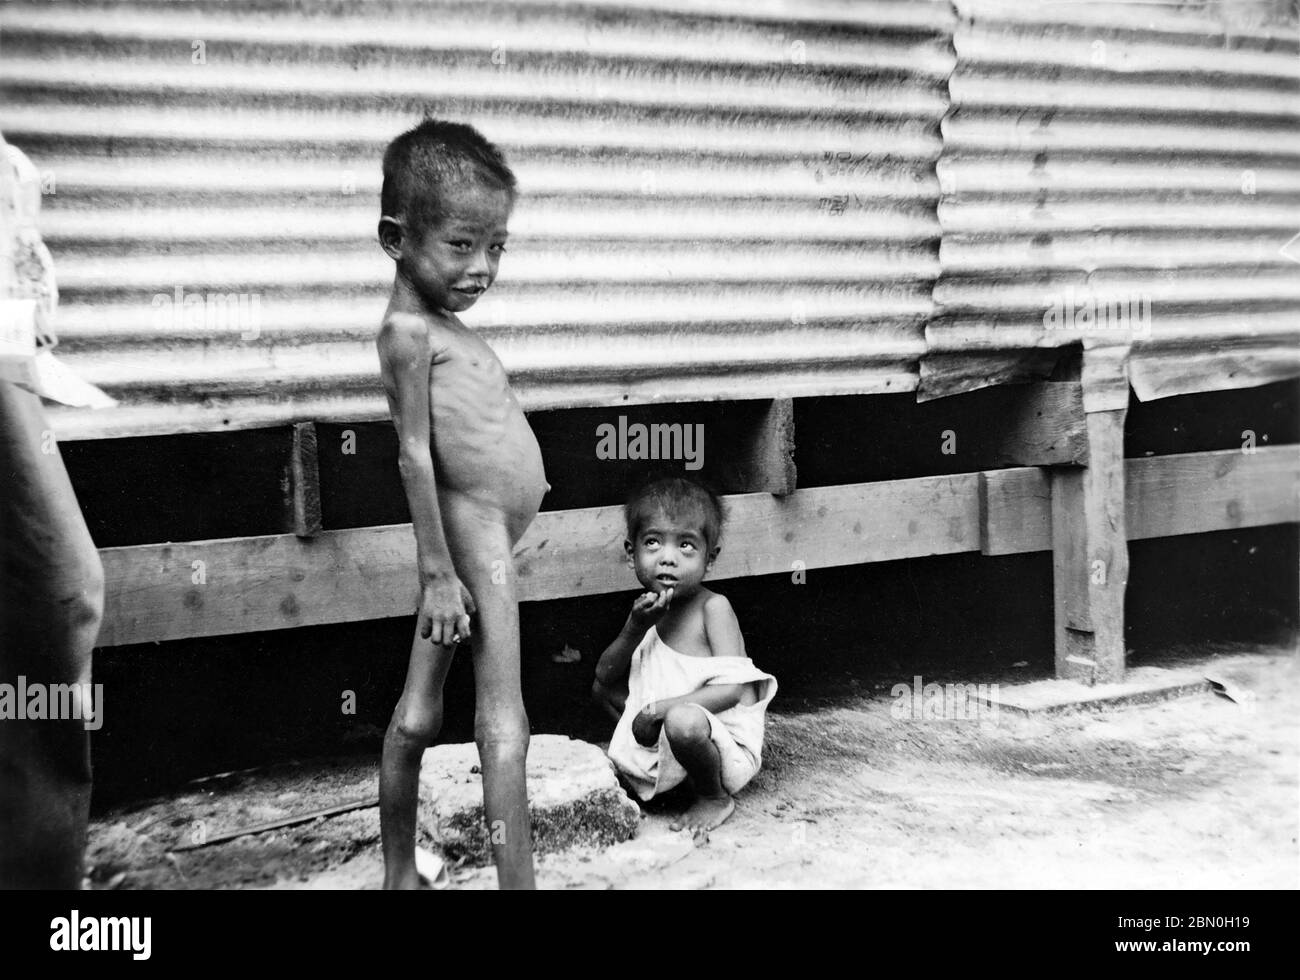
(675, 496)
(421, 163)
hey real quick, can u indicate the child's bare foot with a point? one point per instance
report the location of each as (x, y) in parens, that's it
(706, 813)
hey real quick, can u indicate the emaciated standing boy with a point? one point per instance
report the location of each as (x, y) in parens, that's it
(473, 477)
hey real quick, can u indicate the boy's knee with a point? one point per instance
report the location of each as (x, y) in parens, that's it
(601, 696)
(502, 736)
(686, 723)
(417, 724)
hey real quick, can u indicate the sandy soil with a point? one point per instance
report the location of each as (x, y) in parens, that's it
(1198, 792)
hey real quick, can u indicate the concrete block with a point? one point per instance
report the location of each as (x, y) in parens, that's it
(573, 794)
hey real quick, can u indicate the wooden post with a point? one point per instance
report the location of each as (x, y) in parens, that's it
(1089, 541)
(760, 454)
(301, 483)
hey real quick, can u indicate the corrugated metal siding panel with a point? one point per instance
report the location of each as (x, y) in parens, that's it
(677, 239)
(1127, 151)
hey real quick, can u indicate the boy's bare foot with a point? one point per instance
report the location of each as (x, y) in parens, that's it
(706, 813)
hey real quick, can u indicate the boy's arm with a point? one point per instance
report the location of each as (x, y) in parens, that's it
(404, 361)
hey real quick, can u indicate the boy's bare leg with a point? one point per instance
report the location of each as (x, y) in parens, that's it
(481, 550)
(416, 721)
(687, 728)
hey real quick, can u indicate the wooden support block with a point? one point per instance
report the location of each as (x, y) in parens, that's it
(1045, 427)
(1089, 541)
(761, 454)
(301, 483)
(1015, 511)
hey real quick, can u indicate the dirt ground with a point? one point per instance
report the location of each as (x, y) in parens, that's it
(1200, 792)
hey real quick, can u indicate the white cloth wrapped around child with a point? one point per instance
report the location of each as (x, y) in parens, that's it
(659, 672)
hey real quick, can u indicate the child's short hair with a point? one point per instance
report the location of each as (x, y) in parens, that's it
(676, 496)
(424, 161)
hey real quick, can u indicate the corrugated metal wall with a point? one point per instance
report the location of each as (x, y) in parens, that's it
(723, 199)
(1140, 154)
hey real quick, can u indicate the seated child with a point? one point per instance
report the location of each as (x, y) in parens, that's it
(473, 477)
(689, 702)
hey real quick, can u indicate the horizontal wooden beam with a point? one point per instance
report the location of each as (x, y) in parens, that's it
(1192, 493)
(580, 552)
(1189, 493)
(237, 585)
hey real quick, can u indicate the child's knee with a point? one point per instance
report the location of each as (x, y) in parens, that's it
(601, 696)
(686, 723)
(505, 734)
(417, 724)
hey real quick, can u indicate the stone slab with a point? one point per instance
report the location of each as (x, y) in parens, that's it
(573, 794)
(1142, 685)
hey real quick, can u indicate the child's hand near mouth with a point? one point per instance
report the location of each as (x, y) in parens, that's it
(649, 607)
